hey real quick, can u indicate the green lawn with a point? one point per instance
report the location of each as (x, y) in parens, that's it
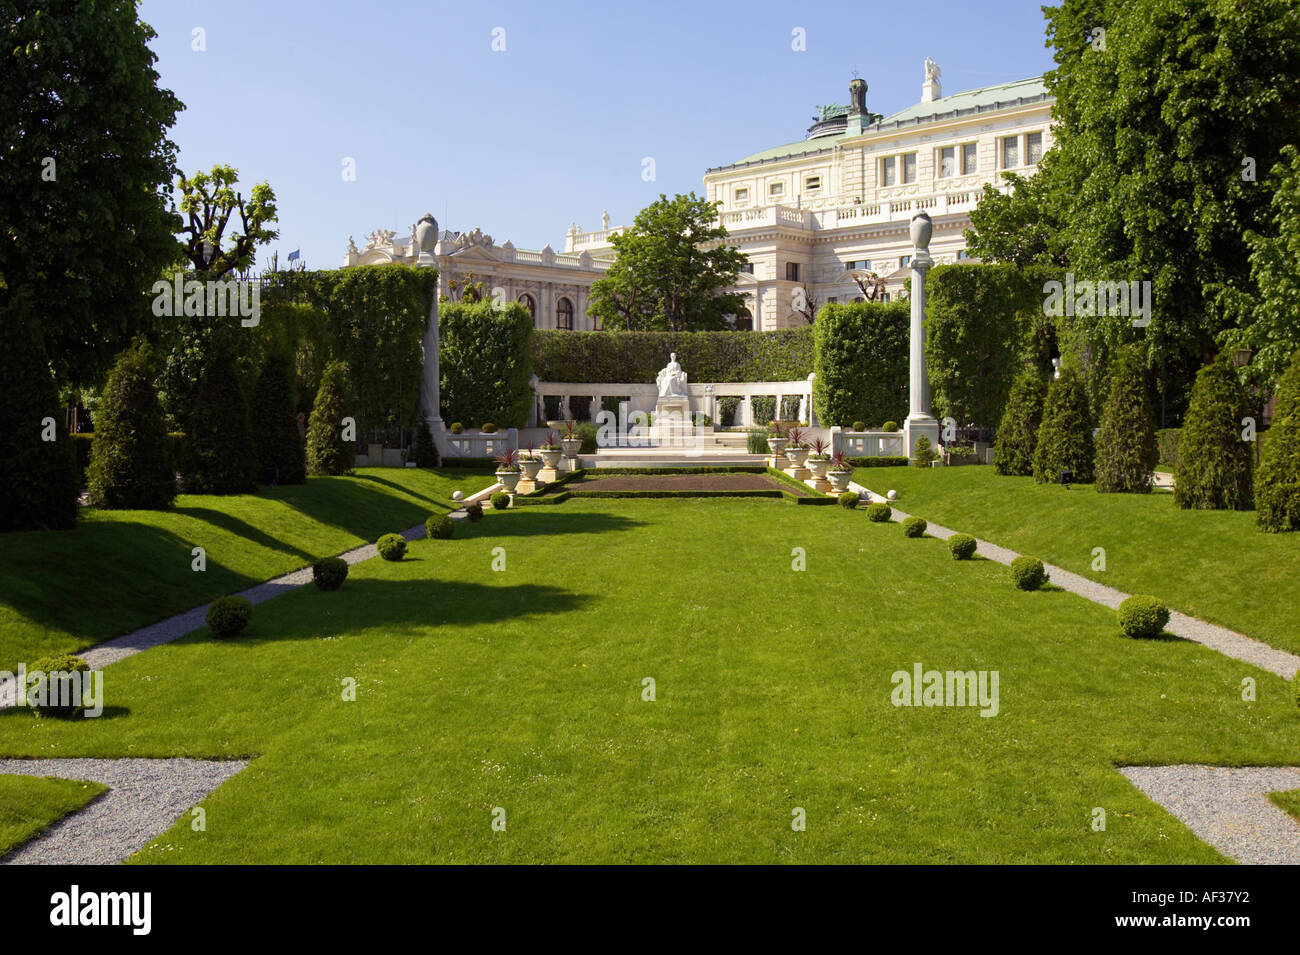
(1288, 801)
(63, 591)
(31, 804)
(522, 689)
(1212, 564)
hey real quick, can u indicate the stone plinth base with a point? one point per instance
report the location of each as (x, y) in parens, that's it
(818, 484)
(525, 487)
(547, 475)
(799, 474)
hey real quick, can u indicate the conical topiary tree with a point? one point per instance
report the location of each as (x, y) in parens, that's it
(1126, 443)
(220, 457)
(327, 452)
(1013, 450)
(1065, 436)
(130, 458)
(1214, 463)
(1277, 484)
(38, 477)
(423, 451)
(275, 422)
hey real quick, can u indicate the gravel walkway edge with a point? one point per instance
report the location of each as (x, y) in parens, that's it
(1228, 642)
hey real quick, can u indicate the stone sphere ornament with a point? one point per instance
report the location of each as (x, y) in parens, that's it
(458, 496)
(892, 496)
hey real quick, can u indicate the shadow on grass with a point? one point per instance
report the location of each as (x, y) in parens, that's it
(242, 528)
(357, 505)
(443, 505)
(109, 713)
(530, 522)
(370, 603)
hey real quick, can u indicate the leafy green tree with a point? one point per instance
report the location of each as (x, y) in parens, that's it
(38, 477)
(423, 451)
(87, 163)
(1017, 437)
(208, 201)
(1277, 484)
(671, 268)
(327, 452)
(1214, 463)
(275, 416)
(979, 323)
(1126, 443)
(220, 455)
(130, 460)
(1020, 227)
(1065, 436)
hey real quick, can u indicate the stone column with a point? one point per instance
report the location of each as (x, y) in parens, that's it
(919, 420)
(430, 382)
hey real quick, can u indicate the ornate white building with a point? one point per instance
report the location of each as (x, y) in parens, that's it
(815, 217)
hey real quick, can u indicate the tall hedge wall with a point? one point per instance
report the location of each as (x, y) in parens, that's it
(785, 355)
(485, 363)
(861, 360)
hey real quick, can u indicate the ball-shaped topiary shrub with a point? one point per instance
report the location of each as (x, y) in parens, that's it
(457, 427)
(474, 512)
(962, 546)
(859, 426)
(500, 500)
(228, 616)
(879, 513)
(330, 573)
(56, 692)
(391, 546)
(914, 527)
(849, 500)
(488, 428)
(1028, 573)
(890, 426)
(440, 527)
(1142, 616)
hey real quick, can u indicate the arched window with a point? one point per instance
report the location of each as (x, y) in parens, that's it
(529, 303)
(743, 321)
(564, 314)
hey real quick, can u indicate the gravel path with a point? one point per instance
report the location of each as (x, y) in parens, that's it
(145, 797)
(1228, 807)
(1228, 642)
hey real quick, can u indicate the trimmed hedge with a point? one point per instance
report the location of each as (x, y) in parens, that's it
(861, 360)
(220, 457)
(440, 527)
(474, 512)
(1215, 466)
(329, 573)
(1277, 483)
(228, 616)
(616, 356)
(1142, 617)
(1028, 573)
(1065, 436)
(391, 547)
(486, 362)
(327, 452)
(1126, 443)
(879, 513)
(274, 411)
(914, 527)
(886, 461)
(1017, 438)
(962, 546)
(499, 500)
(45, 695)
(130, 465)
(38, 478)
(848, 500)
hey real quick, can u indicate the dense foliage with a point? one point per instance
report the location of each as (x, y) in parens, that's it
(1214, 463)
(327, 451)
(1126, 443)
(275, 422)
(220, 457)
(1277, 483)
(131, 463)
(861, 361)
(1065, 436)
(486, 363)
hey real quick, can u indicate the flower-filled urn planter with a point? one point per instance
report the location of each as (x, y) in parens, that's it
(839, 480)
(530, 465)
(572, 446)
(777, 446)
(818, 466)
(509, 480)
(796, 455)
(508, 470)
(551, 457)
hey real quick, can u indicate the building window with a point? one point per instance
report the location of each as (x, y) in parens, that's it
(859, 264)
(741, 195)
(962, 255)
(832, 300)
(748, 268)
(904, 261)
(792, 271)
(775, 189)
(564, 314)
(884, 297)
(909, 167)
(1033, 148)
(1010, 152)
(947, 162)
(528, 302)
(888, 171)
(744, 322)
(812, 183)
(969, 163)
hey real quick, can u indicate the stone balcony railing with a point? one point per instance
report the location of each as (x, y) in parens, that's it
(849, 216)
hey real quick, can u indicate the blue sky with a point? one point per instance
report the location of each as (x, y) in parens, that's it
(555, 127)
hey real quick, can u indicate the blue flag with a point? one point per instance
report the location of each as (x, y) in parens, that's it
(294, 254)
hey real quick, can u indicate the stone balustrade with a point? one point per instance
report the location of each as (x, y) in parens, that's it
(868, 444)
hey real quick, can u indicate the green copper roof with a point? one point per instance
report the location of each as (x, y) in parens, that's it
(987, 97)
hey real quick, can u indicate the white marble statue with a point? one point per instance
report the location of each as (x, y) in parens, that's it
(672, 380)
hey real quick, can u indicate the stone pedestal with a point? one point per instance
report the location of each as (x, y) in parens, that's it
(525, 486)
(547, 475)
(819, 484)
(672, 422)
(799, 474)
